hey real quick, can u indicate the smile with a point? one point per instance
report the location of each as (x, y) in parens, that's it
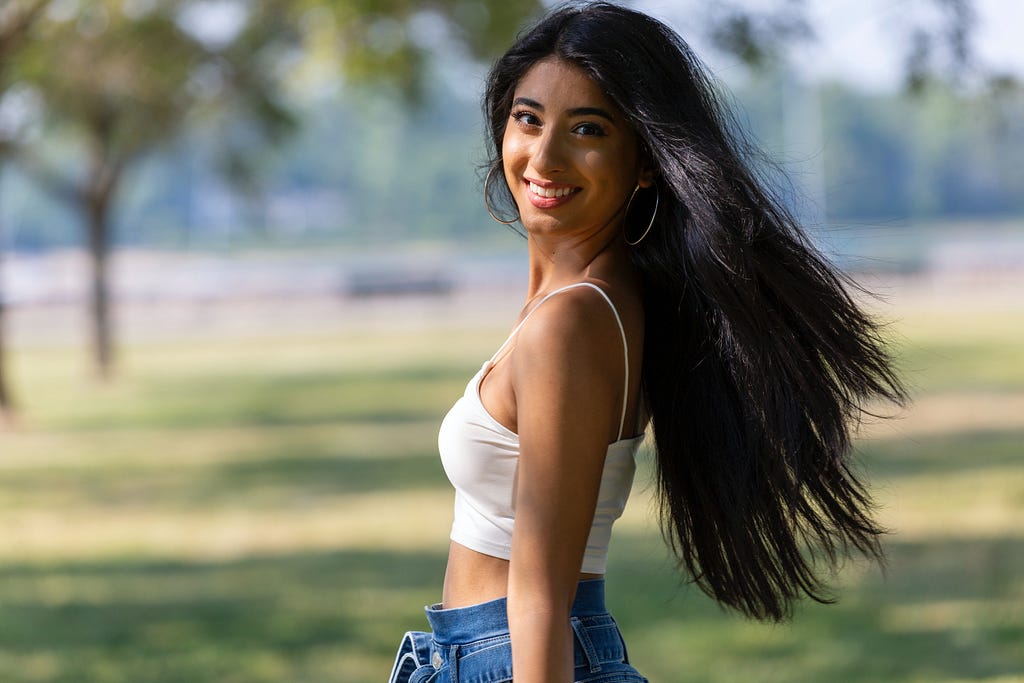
(549, 196)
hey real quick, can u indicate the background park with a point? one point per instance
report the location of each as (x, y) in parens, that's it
(245, 269)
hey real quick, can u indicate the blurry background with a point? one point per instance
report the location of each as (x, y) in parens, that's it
(245, 268)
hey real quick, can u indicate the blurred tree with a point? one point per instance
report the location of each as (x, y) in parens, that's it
(16, 18)
(122, 78)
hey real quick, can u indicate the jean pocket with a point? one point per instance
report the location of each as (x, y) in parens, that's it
(412, 659)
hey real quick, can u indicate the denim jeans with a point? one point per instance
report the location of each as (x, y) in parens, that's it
(472, 644)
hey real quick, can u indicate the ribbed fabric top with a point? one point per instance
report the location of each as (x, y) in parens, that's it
(481, 457)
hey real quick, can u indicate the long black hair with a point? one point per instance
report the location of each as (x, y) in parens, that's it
(757, 360)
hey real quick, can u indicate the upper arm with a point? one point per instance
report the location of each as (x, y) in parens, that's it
(567, 376)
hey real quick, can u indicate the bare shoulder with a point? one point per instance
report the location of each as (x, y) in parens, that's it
(576, 326)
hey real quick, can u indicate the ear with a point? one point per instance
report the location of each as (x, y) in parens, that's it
(647, 176)
(648, 169)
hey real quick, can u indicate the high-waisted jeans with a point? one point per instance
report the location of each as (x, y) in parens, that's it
(472, 644)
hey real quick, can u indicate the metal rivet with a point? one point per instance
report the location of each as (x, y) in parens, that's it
(436, 660)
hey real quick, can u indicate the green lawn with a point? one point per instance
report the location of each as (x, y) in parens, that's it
(273, 510)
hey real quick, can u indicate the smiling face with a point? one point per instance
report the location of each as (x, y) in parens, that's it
(571, 159)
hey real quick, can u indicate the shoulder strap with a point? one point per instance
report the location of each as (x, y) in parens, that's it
(618, 321)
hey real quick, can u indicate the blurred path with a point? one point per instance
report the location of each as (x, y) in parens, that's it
(170, 296)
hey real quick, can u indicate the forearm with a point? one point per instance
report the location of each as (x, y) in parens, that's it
(542, 644)
(542, 584)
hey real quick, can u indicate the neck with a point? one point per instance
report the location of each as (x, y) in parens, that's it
(556, 263)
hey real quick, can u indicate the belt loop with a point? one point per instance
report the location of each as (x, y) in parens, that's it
(453, 664)
(588, 647)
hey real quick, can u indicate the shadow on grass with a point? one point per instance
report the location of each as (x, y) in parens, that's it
(303, 398)
(325, 476)
(947, 609)
(269, 480)
(944, 453)
(280, 618)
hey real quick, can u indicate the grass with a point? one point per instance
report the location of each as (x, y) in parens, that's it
(273, 510)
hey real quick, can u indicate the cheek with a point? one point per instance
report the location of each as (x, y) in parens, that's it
(512, 148)
(616, 170)
(515, 157)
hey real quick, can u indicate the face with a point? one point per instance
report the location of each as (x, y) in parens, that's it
(571, 159)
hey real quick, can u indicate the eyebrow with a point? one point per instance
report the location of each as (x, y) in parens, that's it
(576, 111)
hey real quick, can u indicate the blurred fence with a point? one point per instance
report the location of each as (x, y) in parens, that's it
(165, 294)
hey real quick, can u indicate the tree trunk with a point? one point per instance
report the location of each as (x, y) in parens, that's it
(99, 291)
(95, 201)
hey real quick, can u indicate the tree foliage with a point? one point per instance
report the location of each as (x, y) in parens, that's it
(937, 39)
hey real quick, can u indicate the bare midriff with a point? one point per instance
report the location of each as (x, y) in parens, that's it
(472, 577)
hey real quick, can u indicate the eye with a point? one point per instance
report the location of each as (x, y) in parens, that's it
(590, 129)
(525, 118)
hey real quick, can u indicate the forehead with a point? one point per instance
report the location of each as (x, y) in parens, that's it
(556, 83)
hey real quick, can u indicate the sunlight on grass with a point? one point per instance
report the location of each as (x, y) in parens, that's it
(985, 503)
(140, 530)
(961, 350)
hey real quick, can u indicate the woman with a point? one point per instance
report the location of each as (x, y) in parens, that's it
(667, 287)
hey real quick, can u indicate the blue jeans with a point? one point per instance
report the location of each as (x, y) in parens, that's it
(472, 644)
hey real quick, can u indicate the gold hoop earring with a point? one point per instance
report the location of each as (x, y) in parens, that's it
(487, 204)
(657, 200)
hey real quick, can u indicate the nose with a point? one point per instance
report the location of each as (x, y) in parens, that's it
(549, 153)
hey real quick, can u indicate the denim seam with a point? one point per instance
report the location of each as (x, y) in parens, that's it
(484, 643)
(453, 663)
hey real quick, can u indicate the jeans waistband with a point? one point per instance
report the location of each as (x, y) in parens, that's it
(490, 619)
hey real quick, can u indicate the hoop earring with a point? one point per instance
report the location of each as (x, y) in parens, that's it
(657, 200)
(487, 184)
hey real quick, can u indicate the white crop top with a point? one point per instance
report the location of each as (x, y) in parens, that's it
(481, 456)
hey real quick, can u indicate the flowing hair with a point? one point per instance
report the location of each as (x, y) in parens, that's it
(757, 360)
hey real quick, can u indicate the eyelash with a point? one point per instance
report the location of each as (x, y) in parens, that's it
(521, 117)
(598, 130)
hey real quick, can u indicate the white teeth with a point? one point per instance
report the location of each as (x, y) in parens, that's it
(548, 192)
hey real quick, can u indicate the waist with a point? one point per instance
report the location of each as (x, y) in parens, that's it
(472, 577)
(490, 619)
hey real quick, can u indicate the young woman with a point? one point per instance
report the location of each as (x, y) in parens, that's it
(668, 287)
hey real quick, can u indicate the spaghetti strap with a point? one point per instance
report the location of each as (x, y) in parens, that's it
(618, 321)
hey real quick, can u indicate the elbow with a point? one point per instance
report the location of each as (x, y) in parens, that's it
(535, 598)
(532, 607)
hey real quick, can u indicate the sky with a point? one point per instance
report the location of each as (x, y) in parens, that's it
(863, 41)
